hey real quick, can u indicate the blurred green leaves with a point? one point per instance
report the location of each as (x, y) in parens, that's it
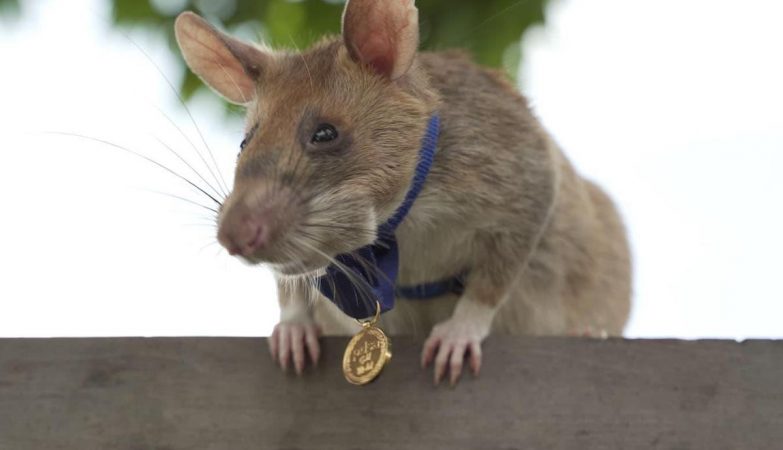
(9, 7)
(490, 29)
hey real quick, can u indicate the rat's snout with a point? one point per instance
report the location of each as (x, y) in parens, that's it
(248, 224)
(244, 236)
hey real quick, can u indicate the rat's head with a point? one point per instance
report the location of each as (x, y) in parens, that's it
(332, 135)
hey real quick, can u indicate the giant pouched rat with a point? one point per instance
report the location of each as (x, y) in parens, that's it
(333, 138)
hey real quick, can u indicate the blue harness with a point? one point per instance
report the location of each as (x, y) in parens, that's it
(373, 268)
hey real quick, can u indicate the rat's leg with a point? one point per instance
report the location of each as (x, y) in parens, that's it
(296, 333)
(461, 334)
(486, 289)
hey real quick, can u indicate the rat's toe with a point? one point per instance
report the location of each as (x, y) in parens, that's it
(311, 339)
(441, 361)
(297, 349)
(475, 357)
(455, 364)
(291, 343)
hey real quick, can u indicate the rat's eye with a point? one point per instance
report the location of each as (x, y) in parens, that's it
(242, 146)
(248, 137)
(324, 133)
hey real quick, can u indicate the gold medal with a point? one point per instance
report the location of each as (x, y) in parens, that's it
(367, 352)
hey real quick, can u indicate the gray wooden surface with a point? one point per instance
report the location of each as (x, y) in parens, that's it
(224, 393)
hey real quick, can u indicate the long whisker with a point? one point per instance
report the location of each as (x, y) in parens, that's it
(360, 285)
(223, 193)
(132, 152)
(202, 225)
(371, 268)
(365, 290)
(219, 177)
(236, 86)
(494, 16)
(310, 75)
(183, 199)
(204, 247)
(309, 281)
(161, 142)
(343, 229)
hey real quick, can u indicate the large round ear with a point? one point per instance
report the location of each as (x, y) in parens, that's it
(229, 66)
(382, 34)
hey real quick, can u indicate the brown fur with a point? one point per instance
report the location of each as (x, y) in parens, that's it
(496, 188)
(545, 249)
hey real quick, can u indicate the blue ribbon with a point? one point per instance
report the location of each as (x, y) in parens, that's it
(374, 267)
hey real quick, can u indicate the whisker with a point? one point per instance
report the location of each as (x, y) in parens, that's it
(203, 225)
(219, 177)
(183, 199)
(230, 77)
(182, 102)
(217, 193)
(493, 17)
(304, 201)
(342, 228)
(365, 291)
(371, 268)
(204, 247)
(331, 260)
(146, 158)
(309, 75)
(222, 193)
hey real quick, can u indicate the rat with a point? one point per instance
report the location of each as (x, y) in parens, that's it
(332, 144)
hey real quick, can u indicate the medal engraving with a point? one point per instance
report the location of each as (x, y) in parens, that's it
(366, 354)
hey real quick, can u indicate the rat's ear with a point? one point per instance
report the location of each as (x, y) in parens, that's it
(383, 34)
(229, 66)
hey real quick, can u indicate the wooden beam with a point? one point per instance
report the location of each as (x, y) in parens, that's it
(533, 393)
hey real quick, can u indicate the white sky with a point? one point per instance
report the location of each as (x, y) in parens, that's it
(676, 107)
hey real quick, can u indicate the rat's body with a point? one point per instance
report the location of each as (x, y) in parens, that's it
(333, 141)
(577, 280)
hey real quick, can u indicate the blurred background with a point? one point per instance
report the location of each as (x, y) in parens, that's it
(675, 107)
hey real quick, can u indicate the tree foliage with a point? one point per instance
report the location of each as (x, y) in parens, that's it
(9, 7)
(490, 29)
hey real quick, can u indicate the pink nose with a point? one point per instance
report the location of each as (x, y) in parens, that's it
(245, 237)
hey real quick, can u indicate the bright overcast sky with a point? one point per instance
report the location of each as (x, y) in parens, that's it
(676, 107)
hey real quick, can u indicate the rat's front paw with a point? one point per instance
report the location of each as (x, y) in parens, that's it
(449, 343)
(288, 342)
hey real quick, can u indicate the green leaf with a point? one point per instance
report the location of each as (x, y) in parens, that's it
(10, 8)
(491, 29)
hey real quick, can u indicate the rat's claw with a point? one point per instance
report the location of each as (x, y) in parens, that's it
(475, 358)
(273, 347)
(284, 344)
(292, 341)
(457, 357)
(451, 355)
(428, 352)
(297, 349)
(311, 338)
(440, 361)
(448, 345)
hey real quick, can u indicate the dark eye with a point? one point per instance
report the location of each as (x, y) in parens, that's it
(247, 138)
(324, 133)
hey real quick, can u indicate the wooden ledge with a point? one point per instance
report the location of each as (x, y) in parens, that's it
(533, 393)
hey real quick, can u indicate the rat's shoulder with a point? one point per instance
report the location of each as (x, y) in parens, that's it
(472, 92)
(458, 68)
